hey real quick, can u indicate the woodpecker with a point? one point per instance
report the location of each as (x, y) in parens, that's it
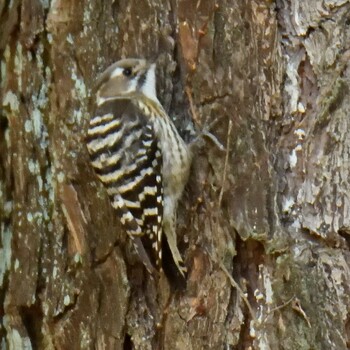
(139, 156)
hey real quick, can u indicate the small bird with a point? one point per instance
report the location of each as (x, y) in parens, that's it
(140, 158)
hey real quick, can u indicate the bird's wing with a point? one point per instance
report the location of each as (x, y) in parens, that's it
(126, 156)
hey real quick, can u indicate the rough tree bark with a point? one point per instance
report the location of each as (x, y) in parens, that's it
(264, 225)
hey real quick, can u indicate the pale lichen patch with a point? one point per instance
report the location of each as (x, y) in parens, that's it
(18, 69)
(43, 100)
(2, 74)
(40, 183)
(54, 272)
(16, 341)
(33, 166)
(28, 126)
(80, 87)
(37, 122)
(29, 217)
(5, 251)
(45, 3)
(11, 100)
(16, 266)
(8, 206)
(78, 258)
(77, 115)
(38, 56)
(293, 159)
(66, 300)
(292, 83)
(49, 38)
(267, 286)
(288, 204)
(60, 177)
(70, 38)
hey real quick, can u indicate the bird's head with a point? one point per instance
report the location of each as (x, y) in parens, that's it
(127, 79)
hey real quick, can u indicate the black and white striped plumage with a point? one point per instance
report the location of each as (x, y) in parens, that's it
(139, 156)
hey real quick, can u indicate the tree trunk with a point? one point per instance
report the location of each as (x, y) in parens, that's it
(264, 223)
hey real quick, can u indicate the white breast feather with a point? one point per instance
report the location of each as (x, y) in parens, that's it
(149, 87)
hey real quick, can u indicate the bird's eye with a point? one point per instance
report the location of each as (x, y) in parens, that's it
(127, 72)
